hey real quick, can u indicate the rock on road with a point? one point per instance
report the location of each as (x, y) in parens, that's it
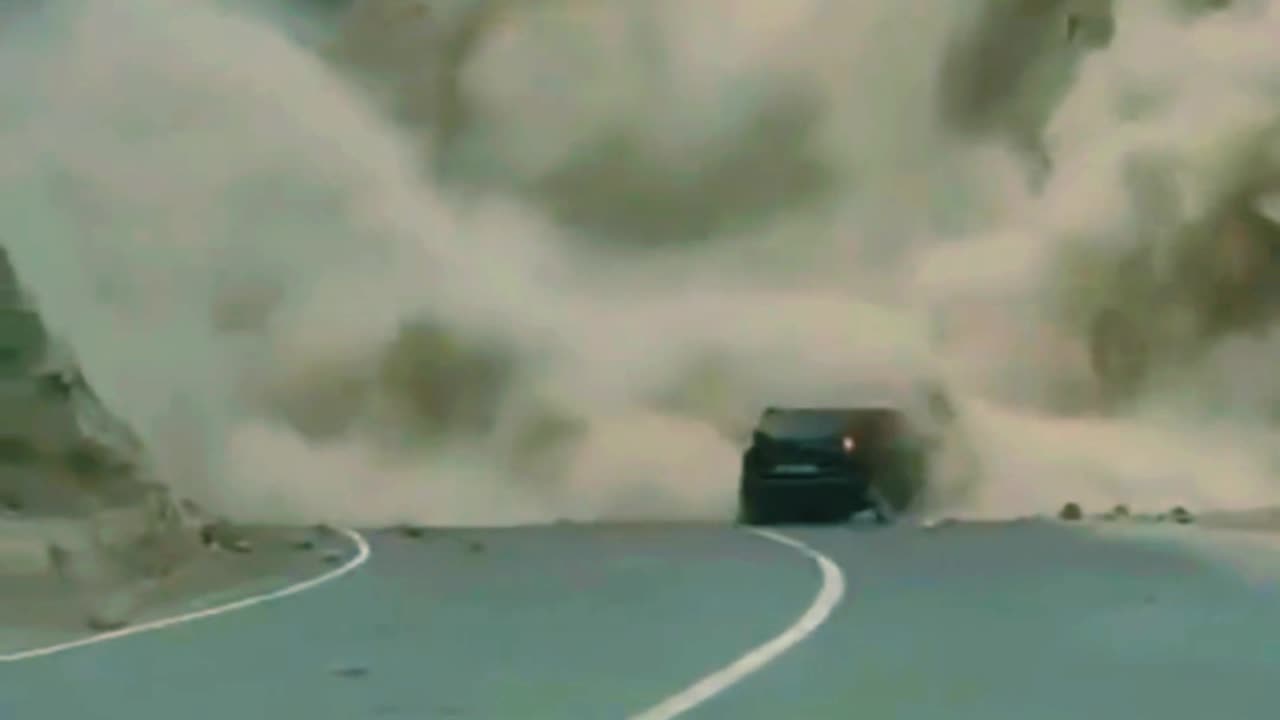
(985, 621)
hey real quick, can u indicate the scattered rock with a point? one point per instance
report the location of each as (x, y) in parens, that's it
(351, 671)
(938, 523)
(475, 546)
(1119, 512)
(108, 609)
(220, 535)
(105, 623)
(413, 531)
(332, 557)
(1071, 512)
(304, 544)
(1181, 515)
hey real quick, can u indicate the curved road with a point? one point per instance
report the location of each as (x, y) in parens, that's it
(1013, 621)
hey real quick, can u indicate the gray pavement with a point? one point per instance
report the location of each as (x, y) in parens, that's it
(548, 623)
(1028, 621)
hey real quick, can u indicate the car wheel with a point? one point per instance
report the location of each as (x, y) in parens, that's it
(894, 493)
(750, 512)
(882, 508)
(881, 518)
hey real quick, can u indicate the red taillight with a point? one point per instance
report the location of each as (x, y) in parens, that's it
(847, 442)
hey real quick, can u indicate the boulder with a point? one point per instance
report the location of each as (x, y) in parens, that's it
(412, 531)
(221, 535)
(1119, 512)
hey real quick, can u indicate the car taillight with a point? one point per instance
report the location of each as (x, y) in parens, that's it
(848, 443)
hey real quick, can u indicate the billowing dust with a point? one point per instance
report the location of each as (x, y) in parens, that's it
(496, 262)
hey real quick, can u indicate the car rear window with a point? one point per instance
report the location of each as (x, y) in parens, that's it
(812, 424)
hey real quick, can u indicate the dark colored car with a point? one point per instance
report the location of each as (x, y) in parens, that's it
(808, 464)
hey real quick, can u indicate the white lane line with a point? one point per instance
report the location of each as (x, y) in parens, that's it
(828, 597)
(361, 556)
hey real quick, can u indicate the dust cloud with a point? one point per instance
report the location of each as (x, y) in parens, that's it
(491, 263)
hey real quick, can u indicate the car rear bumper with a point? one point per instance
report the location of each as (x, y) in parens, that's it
(790, 494)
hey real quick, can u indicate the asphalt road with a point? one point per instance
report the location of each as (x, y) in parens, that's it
(1031, 621)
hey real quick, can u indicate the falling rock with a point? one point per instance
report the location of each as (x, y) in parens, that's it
(59, 559)
(209, 535)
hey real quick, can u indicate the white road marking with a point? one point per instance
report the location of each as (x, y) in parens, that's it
(829, 596)
(361, 556)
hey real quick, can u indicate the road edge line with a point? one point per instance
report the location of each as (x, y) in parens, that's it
(829, 595)
(363, 551)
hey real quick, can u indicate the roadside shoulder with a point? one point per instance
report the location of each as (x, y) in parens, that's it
(43, 608)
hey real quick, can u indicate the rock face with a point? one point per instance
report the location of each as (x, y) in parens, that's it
(61, 451)
(109, 560)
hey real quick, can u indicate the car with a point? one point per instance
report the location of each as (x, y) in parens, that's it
(830, 464)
